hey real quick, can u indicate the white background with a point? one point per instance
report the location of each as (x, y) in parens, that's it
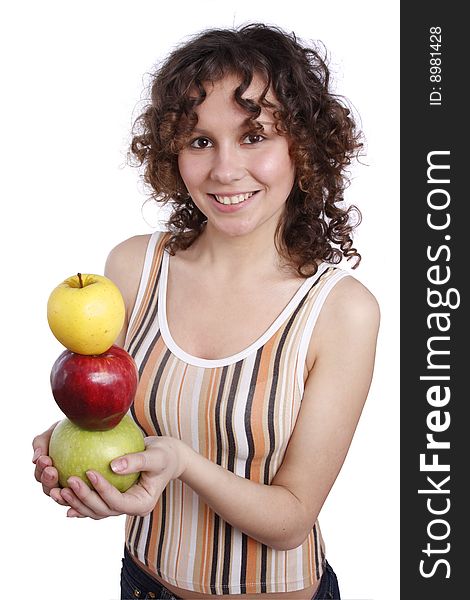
(72, 77)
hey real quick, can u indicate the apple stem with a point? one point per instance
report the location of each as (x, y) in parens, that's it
(80, 279)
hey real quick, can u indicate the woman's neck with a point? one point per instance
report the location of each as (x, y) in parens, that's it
(237, 257)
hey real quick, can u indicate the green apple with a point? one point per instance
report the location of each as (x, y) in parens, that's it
(74, 451)
(86, 313)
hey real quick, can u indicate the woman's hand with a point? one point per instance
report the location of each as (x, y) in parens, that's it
(44, 472)
(163, 459)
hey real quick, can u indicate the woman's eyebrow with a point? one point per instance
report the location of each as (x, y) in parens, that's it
(265, 122)
(242, 126)
(201, 131)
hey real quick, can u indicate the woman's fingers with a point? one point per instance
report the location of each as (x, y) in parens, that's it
(41, 463)
(85, 501)
(160, 456)
(74, 513)
(41, 443)
(46, 474)
(136, 500)
(105, 500)
(130, 463)
(56, 495)
(49, 479)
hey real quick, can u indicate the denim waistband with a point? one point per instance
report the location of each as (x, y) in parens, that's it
(136, 583)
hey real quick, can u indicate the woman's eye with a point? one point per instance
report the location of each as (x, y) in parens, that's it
(253, 138)
(201, 143)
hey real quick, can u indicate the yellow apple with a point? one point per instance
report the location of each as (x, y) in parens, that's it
(86, 313)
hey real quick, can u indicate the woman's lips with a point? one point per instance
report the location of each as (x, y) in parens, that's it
(232, 202)
(233, 198)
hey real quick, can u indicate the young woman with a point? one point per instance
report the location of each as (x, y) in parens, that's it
(255, 351)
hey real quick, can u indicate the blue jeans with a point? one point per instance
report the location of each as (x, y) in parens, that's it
(328, 588)
(135, 583)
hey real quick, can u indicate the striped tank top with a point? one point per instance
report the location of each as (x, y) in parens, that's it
(238, 412)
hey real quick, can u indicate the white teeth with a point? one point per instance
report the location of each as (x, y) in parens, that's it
(233, 199)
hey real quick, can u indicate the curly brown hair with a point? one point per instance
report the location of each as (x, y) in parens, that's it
(322, 133)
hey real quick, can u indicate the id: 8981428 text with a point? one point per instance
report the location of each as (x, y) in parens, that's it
(435, 66)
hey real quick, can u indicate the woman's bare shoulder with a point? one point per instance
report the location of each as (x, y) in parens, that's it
(124, 266)
(350, 300)
(350, 317)
(128, 250)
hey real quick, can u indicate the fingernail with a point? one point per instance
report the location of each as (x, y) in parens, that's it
(119, 465)
(37, 454)
(66, 495)
(73, 483)
(92, 477)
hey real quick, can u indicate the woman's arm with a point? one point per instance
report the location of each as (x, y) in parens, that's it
(282, 514)
(124, 267)
(279, 515)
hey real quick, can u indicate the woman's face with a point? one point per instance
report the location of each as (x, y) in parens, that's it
(238, 179)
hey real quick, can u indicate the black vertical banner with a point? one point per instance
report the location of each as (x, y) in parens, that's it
(435, 323)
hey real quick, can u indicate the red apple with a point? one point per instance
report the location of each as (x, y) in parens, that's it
(95, 391)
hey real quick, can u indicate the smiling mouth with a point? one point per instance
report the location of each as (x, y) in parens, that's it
(237, 199)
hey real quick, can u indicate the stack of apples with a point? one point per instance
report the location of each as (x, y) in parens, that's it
(93, 381)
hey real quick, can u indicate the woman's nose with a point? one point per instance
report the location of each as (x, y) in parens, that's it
(227, 165)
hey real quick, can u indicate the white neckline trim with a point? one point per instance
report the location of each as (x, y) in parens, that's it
(227, 360)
